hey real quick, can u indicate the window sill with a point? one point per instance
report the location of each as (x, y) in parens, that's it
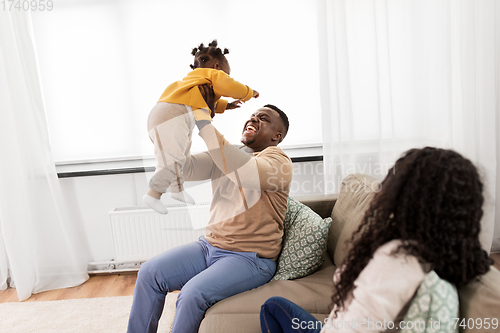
(147, 164)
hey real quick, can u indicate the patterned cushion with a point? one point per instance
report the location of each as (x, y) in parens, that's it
(304, 242)
(434, 308)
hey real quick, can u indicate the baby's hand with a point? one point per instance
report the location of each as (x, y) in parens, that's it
(255, 94)
(233, 105)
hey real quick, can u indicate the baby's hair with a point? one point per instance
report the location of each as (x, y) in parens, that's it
(203, 55)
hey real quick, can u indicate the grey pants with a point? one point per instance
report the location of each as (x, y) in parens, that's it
(170, 127)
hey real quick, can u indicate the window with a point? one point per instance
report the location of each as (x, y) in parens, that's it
(104, 64)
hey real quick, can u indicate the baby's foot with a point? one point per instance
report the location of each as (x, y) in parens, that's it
(155, 204)
(182, 196)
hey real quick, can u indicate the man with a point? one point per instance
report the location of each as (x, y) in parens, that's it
(249, 199)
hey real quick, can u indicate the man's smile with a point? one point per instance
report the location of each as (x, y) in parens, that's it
(250, 128)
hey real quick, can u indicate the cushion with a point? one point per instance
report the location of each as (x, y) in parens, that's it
(433, 308)
(304, 242)
(480, 299)
(356, 192)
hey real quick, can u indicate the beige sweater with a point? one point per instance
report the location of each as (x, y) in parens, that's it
(249, 194)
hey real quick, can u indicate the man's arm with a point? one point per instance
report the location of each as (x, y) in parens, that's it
(198, 167)
(268, 172)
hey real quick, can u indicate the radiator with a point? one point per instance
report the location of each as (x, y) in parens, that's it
(139, 233)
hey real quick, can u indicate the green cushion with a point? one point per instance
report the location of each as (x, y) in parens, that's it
(304, 242)
(434, 308)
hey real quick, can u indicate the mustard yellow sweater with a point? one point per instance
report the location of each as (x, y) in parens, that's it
(186, 91)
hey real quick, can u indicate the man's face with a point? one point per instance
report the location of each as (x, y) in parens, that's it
(264, 128)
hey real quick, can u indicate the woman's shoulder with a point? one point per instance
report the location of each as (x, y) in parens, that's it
(387, 262)
(389, 247)
(388, 254)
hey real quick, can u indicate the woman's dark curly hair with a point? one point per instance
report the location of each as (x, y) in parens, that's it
(204, 55)
(432, 201)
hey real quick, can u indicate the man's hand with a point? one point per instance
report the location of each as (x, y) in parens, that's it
(255, 94)
(207, 91)
(233, 105)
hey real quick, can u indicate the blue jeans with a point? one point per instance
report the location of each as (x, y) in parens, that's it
(279, 315)
(204, 275)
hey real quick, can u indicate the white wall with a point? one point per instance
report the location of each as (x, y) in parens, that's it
(92, 197)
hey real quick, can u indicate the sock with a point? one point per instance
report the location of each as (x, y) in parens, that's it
(182, 196)
(155, 204)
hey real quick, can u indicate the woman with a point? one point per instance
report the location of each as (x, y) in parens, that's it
(425, 217)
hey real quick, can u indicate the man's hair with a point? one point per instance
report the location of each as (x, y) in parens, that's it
(283, 117)
(203, 55)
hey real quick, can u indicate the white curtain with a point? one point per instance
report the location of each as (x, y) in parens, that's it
(398, 74)
(40, 248)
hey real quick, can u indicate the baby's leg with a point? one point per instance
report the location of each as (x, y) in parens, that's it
(162, 178)
(170, 128)
(176, 189)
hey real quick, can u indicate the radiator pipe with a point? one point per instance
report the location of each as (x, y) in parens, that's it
(113, 271)
(112, 262)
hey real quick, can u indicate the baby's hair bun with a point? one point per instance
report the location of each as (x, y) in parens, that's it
(204, 54)
(200, 48)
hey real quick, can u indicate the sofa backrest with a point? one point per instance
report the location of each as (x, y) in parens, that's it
(480, 302)
(356, 193)
(321, 204)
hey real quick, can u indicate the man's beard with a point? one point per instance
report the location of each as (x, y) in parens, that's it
(248, 142)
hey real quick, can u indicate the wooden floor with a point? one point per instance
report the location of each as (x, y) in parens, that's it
(105, 286)
(96, 286)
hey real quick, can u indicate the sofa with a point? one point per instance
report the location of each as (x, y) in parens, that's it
(240, 313)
